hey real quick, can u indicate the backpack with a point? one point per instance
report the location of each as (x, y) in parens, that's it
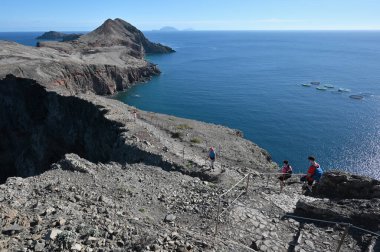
(212, 154)
(318, 174)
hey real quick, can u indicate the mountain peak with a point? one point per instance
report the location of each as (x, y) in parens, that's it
(118, 32)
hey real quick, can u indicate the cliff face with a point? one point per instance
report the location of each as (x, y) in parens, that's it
(107, 60)
(39, 127)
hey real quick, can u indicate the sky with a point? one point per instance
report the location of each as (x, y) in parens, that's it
(85, 15)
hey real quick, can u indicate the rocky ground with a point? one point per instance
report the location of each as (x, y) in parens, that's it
(155, 191)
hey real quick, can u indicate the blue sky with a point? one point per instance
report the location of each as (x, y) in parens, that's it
(85, 15)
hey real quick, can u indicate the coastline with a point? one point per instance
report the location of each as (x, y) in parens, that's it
(83, 171)
(155, 178)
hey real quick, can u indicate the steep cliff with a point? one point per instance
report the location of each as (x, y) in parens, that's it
(39, 127)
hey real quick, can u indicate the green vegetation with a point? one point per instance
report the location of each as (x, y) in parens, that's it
(142, 210)
(183, 127)
(196, 140)
(190, 164)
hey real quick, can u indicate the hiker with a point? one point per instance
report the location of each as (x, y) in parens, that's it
(212, 156)
(314, 173)
(286, 171)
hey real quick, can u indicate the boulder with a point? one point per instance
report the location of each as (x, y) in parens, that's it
(52, 234)
(361, 212)
(341, 185)
(170, 218)
(73, 162)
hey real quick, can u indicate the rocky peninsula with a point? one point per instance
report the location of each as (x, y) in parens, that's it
(80, 172)
(53, 35)
(106, 60)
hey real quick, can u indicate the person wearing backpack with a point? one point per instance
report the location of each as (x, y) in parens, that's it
(286, 171)
(314, 173)
(212, 156)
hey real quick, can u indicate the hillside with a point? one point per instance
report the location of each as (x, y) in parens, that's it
(82, 173)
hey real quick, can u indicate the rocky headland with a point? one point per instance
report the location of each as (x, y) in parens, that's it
(53, 35)
(106, 60)
(80, 172)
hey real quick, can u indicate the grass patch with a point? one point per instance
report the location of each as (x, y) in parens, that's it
(196, 140)
(142, 210)
(190, 164)
(212, 185)
(183, 127)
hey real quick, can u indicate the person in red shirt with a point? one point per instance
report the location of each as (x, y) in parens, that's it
(314, 173)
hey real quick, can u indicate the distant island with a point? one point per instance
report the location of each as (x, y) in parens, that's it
(168, 29)
(172, 29)
(53, 35)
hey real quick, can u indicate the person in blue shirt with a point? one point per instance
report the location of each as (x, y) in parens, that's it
(212, 156)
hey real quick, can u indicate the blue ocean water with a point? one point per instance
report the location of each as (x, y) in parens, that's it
(26, 38)
(252, 81)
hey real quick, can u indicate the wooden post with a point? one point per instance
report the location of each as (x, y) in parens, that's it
(343, 237)
(372, 244)
(219, 155)
(246, 188)
(217, 219)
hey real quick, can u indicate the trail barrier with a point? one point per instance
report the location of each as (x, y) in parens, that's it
(245, 181)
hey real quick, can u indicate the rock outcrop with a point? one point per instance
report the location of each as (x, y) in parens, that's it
(104, 61)
(341, 185)
(363, 213)
(345, 197)
(53, 35)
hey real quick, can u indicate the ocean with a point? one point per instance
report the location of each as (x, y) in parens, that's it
(252, 81)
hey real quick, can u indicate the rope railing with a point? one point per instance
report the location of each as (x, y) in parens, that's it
(332, 222)
(247, 176)
(268, 174)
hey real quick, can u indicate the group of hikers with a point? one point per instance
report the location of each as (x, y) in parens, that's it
(313, 175)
